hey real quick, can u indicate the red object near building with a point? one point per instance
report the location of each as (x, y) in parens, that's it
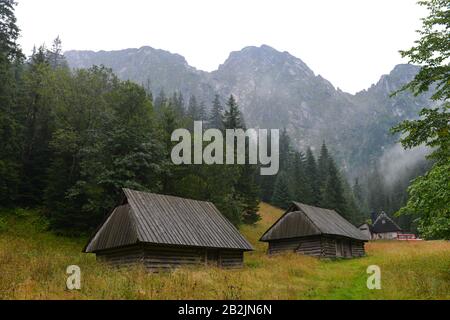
(407, 237)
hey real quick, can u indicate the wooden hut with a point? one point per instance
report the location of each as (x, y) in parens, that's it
(315, 232)
(164, 232)
(383, 228)
(366, 229)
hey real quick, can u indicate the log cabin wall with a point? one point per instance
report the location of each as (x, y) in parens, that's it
(164, 258)
(231, 259)
(311, 246)
(358, 249)
(321, 246)
(308, 246)
(285, 245)
(350, 248)
(328, 247)
(122, 257)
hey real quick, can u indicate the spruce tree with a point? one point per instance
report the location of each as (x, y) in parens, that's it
(246, 189)
(377, 196)
(37, 101)
(281, 197)
(177, 103)
(193, 109)
(333, 192)
(55, 55)
(233, 117)
(160, 101)
(202, 113)
(249, 193)
(266, 183)
(9, 32)
(10, 126)
(216, 117)
(323, 164)
(358, 194)
(299, 182)
(312, 190)
(285, 151)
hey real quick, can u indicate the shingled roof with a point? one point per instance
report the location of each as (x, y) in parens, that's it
(166, 220)
(302, 220)
(384, 224)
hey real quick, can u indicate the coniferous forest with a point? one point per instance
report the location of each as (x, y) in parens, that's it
(132, 172)
(70, 139)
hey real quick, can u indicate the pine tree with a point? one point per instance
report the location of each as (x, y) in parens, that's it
(285, 151)
(266, 183)
(333, 193)
(233, 117)
(202, 113)
(37, 101)
(160, 100)
(216, 118)
(249, 192)
(323, 164)
(357, 215)
(10, 60)
(358, 193)
(177, 104)
(9, 32)
(148, 89)
(376, 187)
(55, 55)
(281, 196)
(312, 191)
(299, 182)
(246, 189)
(193, 111)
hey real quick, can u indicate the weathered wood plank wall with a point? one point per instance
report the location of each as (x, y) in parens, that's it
(162, 258)
(320, 246)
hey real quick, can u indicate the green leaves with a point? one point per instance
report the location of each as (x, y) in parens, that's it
(104, 139)
(9, 31)
(429, 196)
(429, 199)
(432, 51)
(432, 129)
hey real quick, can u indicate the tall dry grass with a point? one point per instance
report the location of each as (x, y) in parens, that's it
(33, 264)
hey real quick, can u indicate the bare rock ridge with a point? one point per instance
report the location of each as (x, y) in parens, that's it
(277, 90)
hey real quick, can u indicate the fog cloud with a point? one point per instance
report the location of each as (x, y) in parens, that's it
(397, 162)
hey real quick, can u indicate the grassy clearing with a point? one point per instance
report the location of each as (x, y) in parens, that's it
(33, 264)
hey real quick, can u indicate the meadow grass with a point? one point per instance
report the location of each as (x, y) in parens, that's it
(33, 263)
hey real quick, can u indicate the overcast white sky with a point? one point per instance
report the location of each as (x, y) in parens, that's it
(349, 42)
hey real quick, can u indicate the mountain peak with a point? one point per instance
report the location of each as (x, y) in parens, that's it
(264, 59)
(398, 77)
(277, 90)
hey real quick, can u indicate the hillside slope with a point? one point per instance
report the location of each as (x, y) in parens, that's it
(33, 263)
(278, 90)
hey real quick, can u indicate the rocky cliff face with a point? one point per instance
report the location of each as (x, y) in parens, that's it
(278, 90)
(155, 68)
